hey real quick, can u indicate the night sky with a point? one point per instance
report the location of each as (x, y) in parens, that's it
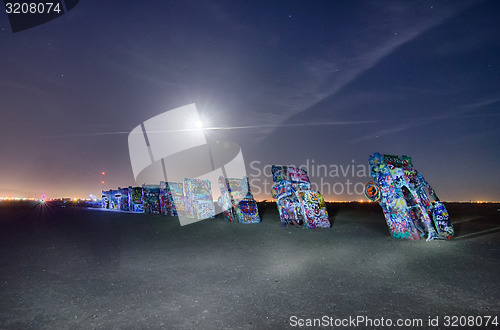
(300, 82)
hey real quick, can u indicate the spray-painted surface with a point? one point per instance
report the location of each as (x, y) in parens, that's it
(111, 199)
(172, 198)
(135, 199)
(123, 203)
(297, 203)
(237, 200)
(405, 198)
(198, 199)
(151, 198)
(176, 191)
(105, 199)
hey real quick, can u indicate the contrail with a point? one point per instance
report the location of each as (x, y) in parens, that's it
(330, 123)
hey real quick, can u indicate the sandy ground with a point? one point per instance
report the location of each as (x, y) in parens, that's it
(78, 268)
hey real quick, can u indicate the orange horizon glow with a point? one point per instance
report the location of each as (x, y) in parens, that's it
(75, 198)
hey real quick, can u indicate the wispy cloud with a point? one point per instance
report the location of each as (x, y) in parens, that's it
(463, 112)
(386, 27)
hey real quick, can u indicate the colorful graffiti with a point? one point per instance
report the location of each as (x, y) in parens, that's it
(111, 200)
(135, 199)
(405, 198)
(172, 198)
(198, 199)
(105, 198)
(151, 198)
(297, 204)
(237, 201)
(225, 201)
(177, 198)
(164, 199)
(123, 203)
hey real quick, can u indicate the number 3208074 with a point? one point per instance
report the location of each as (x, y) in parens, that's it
(32, 8)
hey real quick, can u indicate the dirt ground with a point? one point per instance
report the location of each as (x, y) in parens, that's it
(79, 268)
